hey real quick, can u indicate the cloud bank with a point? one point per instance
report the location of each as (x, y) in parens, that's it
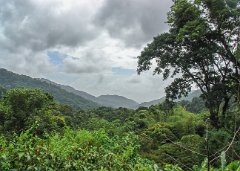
(95, 41)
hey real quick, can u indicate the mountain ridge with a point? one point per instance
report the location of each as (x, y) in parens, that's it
(10, 80)
(114, 101)
(68, 95)
(63, 93)
(117, 101)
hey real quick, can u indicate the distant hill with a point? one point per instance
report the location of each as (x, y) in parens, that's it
(68, 95)
(71, 90)
(153, 102)
(11, 80)
(113, 101)
(62, 93)
(116, 101)
(195, 93)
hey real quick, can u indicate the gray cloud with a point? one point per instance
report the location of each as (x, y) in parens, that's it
(134, 21)
(27, 62)
(88, 63)
(78, 67)
(100, 34)
(29, 28)
(25, 24)
(134, 80)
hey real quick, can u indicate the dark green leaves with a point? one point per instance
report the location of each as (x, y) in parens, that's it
(201, 49)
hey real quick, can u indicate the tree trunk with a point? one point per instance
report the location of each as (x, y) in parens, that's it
(214, 118)
(224, 110)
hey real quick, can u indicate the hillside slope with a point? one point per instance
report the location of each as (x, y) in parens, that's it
(11, 80)
(195, 93)
(116, 101)
(153, 102)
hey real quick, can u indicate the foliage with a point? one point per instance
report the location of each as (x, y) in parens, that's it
(47, 135)
(2, 91)
(21, 108)
(81, 150)
(201, 46)
(74, 150)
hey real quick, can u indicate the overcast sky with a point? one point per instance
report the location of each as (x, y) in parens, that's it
(91, 45)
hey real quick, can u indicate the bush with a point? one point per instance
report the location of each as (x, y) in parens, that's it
(74, 150)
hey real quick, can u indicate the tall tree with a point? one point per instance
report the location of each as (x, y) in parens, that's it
(202, 48)
(20, 104)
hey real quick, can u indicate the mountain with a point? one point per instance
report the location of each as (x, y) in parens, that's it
(11, 80)
(63, 93)
(113, 101)
(153, 102)
(68, 95)
(72, 90)
(116, 101)
(79, 93)
(195, 93)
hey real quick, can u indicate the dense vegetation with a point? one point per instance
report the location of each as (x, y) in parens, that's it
(201, 48)
(37, 133)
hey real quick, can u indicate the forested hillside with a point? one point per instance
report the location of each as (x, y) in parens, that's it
(64, 94)
(11, 80)
(68, 95)
(52, 128)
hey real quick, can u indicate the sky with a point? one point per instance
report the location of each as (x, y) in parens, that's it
(91, 45)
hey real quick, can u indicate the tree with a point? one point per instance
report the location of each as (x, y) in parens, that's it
(2, 92)
(202, 48)
(22, 105)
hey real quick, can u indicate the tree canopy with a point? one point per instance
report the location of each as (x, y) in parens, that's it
(22, 108)
(201, 48)
(37, 133)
